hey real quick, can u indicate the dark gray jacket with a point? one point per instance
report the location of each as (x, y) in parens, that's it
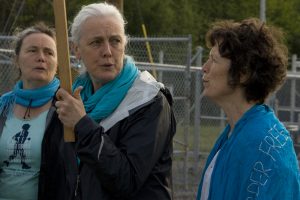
(129, 155)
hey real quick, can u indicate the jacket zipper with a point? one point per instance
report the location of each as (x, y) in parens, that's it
(77, 185)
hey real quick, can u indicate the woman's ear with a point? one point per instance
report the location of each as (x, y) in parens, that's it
(244, 78)
(76, 50)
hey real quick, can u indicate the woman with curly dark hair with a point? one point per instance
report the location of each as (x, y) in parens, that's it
(254, 156)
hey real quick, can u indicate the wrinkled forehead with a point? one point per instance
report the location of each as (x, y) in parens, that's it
(96, 26)
(40, 40)
(102, 23)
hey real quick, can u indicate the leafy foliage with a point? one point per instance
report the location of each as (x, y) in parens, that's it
(166, 18)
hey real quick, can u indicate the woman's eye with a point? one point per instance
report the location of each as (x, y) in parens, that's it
(31, 50)
(50, 53)
(115, 41)
(95, 43)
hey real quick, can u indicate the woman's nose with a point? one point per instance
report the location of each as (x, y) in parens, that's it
(205, 67)
(41, 57)
(106, 49)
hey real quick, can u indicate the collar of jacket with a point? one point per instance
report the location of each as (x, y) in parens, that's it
(142, 92)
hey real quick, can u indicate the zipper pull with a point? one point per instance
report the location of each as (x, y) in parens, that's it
(77, 184)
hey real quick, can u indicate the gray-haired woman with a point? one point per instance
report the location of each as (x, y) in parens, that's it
(123, 119)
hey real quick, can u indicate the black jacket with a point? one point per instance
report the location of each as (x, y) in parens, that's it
(58, 172)
(133, 158)
(58, 169)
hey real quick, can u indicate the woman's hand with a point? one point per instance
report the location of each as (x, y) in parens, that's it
(70, 109)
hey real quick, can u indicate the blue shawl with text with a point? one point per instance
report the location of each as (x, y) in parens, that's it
(257, 161)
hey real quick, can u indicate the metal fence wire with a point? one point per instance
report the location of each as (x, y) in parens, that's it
(9, 73)
(199, 121)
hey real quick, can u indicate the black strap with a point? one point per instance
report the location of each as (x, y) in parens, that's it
(27, 112)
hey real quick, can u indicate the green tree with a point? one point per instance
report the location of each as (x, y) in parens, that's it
(166, 18)
(286, 14)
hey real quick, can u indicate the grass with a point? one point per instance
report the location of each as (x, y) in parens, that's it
(192, 173)
(207, 138)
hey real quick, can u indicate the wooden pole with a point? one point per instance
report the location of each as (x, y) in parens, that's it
(64, 69)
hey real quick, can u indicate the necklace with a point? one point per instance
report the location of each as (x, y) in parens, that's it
(26, 116)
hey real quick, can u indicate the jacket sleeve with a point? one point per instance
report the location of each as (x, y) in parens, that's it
(122, 168)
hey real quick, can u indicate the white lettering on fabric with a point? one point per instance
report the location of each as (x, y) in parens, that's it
(259, 177)
(253, 188)
(269, 146)
(279, 136)
(273, 142)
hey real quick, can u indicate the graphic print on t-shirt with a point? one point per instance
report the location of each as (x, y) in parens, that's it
(20, 156)
(20, 139)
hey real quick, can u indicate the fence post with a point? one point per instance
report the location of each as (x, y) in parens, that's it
(223, 118)
(161, 61)
(187, 87)
(293, 89)
(197, 115)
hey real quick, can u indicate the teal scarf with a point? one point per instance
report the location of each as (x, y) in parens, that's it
(105, 100)
(28, 97)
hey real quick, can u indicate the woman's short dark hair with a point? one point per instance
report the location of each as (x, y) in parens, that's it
(256, 51)
(37, 28)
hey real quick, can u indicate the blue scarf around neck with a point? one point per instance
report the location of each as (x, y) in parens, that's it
(28, 97)
(105, 100)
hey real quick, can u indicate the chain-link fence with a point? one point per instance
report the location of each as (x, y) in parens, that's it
(199, 121)
(169, 59)
(9, 73)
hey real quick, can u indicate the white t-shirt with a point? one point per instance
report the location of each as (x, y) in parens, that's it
(207, 178)
(20, 157)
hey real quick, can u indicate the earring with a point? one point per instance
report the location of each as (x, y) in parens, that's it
(78, 63)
